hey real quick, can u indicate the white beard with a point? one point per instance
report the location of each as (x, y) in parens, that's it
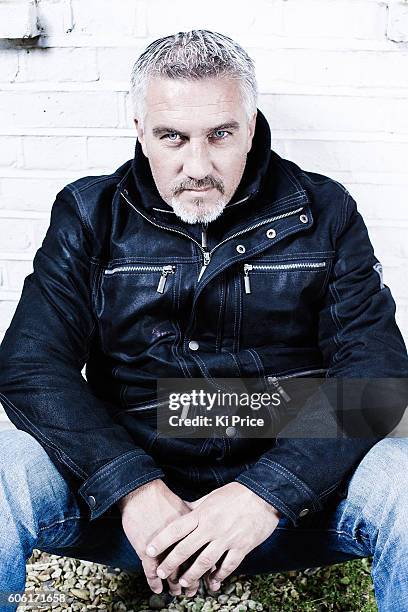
(198, 212)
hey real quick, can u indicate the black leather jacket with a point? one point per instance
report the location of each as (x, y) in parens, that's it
(288, 285)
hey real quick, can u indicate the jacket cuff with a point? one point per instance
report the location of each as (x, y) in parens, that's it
(281, 488)
(116, 479)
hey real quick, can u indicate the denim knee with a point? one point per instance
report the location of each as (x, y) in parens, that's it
(378, 492)
(32, 491)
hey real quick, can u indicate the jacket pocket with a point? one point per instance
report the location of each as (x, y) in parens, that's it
(296, 266)
(134, 305)
(144, 269)
(280, 299)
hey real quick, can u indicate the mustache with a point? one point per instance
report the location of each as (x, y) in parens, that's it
(208, 181)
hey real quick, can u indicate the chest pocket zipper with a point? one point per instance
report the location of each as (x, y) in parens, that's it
(299, 265)
(165, 271)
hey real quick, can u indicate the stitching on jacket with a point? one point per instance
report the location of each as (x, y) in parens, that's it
(291, 176)
(63, 457)
(125, 487)
(258, 361)
(219, 321)
(101, 179)
(302, 486)
(330, 489)
(256, 486)
(81, 209)
(116, 462)
(175, 350)
(88, 230)
(218, 478)
(236, 362)
(177, 338)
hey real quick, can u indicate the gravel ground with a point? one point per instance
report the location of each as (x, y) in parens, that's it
(89, 586)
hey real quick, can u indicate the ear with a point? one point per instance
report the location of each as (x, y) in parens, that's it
(140, 136)
(251, 130)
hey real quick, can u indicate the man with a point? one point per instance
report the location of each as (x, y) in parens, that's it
(205, 256)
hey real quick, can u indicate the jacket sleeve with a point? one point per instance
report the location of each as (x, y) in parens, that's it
(358, 337)
(41, 357)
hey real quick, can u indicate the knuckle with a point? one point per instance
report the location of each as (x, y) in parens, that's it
(205, 561)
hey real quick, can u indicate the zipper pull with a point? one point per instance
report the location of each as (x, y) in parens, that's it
(207, 258)
(166, 270)
(204, 235)
(275, 382)
(247, 284)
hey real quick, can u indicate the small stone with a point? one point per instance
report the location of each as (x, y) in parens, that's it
(81, 593)
(44, 577)
(157, 601)
(230, 588)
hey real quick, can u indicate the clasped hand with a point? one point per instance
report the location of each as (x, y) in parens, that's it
(230, 521)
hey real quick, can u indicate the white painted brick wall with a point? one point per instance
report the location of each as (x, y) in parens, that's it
(333, 77)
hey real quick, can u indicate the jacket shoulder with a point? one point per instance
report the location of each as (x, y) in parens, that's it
(94, 198)
(96, 185)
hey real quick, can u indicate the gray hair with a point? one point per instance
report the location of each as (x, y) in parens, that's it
(194, 55)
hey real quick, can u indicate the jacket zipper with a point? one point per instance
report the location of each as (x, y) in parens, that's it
(145, 407)
(165, 271)
(289, 266)
(208, 254)
(275, 380)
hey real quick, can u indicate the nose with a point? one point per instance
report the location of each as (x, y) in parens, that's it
(197, 162)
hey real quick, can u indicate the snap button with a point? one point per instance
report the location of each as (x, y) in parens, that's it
(230, 431)
(271, 233)
(91, 501)
(304, 512)
(304, 218)
(241, 248)
(193, 345)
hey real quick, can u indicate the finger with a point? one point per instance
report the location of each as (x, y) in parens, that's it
(174, 532)
(212, 585)
(174, 586)
(154, 582)
(180, 553)
(191, 593)
(192, 589)
(203, 563)
(231, 561)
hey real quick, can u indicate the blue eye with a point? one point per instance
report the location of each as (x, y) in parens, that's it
(220, 134)
(169, 136)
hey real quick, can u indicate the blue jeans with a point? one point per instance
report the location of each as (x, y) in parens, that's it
(39, 510)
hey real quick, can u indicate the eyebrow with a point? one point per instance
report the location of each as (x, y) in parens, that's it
(162, 129)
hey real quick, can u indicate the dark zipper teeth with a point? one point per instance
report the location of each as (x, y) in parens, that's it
(295, 374)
